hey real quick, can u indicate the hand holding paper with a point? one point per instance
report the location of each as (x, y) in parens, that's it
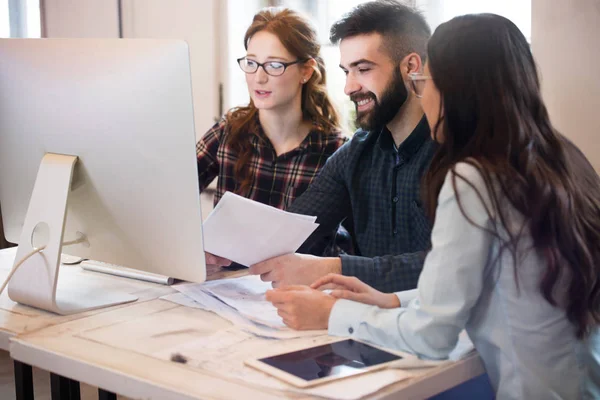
(296, 269)
(247, 232)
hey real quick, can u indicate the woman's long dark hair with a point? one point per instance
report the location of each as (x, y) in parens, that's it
(492, 116)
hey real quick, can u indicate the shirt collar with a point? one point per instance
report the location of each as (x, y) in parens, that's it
(314, 140)
(410, 145)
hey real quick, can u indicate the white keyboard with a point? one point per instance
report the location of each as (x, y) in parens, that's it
(112, 269)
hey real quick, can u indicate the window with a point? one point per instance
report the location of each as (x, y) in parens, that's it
(324, 13)
(34, 21)
(4, 19)
(20, 18)
(438, 11)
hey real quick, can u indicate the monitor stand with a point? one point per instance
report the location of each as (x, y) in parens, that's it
(35, 282)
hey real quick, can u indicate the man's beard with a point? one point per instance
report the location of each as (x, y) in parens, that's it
(382, 112)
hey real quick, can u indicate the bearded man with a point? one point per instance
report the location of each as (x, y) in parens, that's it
(372, 183)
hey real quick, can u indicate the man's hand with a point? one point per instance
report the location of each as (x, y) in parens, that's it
(352, 288)
(301, 307)
(211, 259)
(295, 269)
(214, 263)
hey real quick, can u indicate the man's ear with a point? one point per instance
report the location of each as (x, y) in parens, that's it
(411, 63)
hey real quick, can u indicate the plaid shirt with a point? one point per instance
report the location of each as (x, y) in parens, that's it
(376, 190)
(277, 180)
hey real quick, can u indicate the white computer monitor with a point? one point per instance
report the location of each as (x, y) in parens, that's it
(120, 112)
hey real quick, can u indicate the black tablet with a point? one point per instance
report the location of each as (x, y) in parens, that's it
(324, 363)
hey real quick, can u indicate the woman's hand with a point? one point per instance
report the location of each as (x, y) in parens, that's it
(301, 307)
(352, 288)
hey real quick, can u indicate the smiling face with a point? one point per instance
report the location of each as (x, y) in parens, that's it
(373, 81)
(274, 92)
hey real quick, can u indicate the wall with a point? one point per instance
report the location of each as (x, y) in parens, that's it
(433, 10)
(566, 45)
(195, 21)
(80, 18)
(237, 20)
(438, 11)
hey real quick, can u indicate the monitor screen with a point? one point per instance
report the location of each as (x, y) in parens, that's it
(123, 108)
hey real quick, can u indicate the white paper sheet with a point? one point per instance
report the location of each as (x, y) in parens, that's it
(183, 300)
(199, 296)
(247, 295)
(207, 302)
(249, 232)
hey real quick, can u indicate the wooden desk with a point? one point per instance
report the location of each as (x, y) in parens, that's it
(18, 319)
(116, 350)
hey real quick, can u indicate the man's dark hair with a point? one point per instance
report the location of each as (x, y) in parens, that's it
(404, 29)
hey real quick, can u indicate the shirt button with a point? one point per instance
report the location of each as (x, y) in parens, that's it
(395, 199)
(351, 330)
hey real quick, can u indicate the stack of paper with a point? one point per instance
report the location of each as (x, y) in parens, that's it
(246, 295)
(242, 302)
(248, 232)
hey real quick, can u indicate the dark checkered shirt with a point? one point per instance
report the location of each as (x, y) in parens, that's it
(376, 190)
(277, 181)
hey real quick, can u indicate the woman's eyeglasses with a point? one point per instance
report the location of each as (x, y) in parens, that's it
(417, 81)
(273, 68)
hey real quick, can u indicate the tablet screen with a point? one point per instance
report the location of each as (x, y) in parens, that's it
(338, 359)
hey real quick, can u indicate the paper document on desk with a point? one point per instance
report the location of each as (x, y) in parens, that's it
(248, 232)
(247, 295)
(205, 301)
(242, 302)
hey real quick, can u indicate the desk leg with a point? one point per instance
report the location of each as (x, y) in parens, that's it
(23, 381)
(64, 388)
(104, 395)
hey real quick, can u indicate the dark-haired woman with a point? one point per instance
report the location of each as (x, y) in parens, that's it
(515, 256)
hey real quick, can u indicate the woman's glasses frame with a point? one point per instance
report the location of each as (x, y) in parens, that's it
(416, 78)
(271, 68)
